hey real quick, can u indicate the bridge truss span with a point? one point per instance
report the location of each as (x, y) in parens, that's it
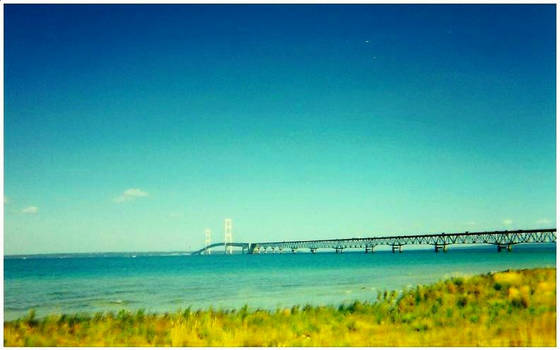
(501, 239)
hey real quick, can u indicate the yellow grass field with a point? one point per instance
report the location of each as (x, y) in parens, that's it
(512, 308)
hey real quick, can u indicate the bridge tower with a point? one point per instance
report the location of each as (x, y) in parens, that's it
(228, 235)
(208, 239)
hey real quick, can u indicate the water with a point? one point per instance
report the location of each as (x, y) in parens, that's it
(72, 283)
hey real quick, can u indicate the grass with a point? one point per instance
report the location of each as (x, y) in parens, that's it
(512, 308)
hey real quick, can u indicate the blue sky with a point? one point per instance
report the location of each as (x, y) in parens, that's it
(134, 128)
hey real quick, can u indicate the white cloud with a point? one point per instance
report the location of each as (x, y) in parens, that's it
(30, 210)
(471, 223)
(130, 194)
(543, 221)
(508, 222)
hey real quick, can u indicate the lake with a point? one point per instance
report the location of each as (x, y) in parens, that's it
(166, 282)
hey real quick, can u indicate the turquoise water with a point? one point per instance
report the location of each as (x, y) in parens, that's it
(158, 283)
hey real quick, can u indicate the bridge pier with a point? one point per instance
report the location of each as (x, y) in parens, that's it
(508, 246)
(439, 247)
(338, 250)
(395, 248)
(313, 250)
(369, 249)
(251, 248)
(294, 250)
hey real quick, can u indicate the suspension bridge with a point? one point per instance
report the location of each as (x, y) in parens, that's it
(503, 240)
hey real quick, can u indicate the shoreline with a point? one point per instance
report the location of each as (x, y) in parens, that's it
(510, 308)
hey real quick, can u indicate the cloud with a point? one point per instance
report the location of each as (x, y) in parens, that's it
(543, 221)
(30, 210)
(130, 194)
(508, 222)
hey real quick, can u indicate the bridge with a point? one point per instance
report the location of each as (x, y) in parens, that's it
(501, 239)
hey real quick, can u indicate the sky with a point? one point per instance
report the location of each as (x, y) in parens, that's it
(136, 127)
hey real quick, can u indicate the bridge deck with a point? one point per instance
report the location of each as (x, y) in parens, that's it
(244, 246)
